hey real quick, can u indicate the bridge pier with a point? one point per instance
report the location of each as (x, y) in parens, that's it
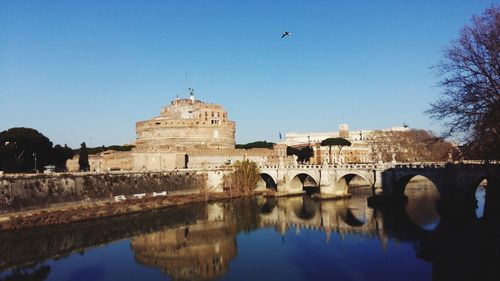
(377, 185)
(330, 187)
(287, 186)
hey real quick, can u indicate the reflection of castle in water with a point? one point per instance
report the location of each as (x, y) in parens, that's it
(199, 251)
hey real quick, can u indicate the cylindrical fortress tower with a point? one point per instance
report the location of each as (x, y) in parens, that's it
(186, 123)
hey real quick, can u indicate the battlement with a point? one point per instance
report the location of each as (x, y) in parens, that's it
(233, 152)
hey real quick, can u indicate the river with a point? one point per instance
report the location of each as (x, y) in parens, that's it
(260, 238)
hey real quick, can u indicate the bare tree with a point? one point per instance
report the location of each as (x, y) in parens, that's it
(410, 146)
(470, 72)
(244, 178)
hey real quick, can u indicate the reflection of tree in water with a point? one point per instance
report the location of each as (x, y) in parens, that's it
(35, 272)
(243, 212)
(421, 207)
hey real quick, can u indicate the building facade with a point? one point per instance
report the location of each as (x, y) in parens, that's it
(361, 150)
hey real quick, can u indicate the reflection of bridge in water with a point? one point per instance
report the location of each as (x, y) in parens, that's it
(350, 216)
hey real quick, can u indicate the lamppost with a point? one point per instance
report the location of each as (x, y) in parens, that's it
(34, 155)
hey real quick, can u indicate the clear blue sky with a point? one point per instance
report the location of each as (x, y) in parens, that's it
(88, 70)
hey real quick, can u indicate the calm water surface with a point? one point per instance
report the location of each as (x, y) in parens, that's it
(260, 238)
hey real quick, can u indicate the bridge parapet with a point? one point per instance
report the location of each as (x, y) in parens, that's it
(461, 164)
(421, 165)
(334, 166)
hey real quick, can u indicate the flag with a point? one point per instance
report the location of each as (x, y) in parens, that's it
(280, 135)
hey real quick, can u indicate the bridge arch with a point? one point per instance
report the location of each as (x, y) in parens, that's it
(482, 193)
(345, 178)
(304, 181)
(266, 182)
(421, 199)
(402, 182)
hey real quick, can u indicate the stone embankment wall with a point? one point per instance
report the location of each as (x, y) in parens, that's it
(35, 191)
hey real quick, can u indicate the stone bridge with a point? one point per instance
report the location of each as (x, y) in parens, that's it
(329, 180)
(388, 179)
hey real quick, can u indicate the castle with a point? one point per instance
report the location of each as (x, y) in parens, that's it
(188, 133)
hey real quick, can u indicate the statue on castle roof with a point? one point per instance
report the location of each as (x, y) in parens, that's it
(191, 94)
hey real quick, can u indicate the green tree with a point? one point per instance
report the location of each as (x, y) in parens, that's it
(340, 142)
(60, 154)
(470, 72)
(256, 144)
(303, 154)
(99, 149)
(292, 151)
(18, 147)
(83, 160)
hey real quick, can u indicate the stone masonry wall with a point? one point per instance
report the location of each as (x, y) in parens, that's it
(36, 191)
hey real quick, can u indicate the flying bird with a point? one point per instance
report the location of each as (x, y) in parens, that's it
(286, 33)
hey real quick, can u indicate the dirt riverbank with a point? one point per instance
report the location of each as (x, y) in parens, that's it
(95, 210)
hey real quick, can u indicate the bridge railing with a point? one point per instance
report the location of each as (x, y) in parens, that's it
(420, 165)
(331, 166)
(381, 166)
(423, 165)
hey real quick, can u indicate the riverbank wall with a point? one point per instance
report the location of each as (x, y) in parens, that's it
(27, 192)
